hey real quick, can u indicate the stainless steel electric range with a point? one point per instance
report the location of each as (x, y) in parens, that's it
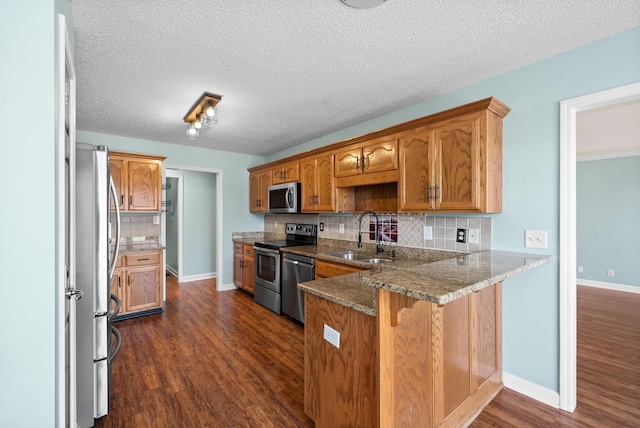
(268, 263)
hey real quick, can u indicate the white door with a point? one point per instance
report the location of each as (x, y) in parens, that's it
(67, 295)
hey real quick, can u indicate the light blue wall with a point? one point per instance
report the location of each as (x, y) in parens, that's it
(530, 181)
(28, 67)
(171, 230)
(608, 216)
(235, 181)
(199, 225)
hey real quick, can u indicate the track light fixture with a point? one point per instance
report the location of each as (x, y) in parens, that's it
(202, 115)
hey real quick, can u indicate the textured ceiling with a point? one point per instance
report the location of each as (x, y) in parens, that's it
(290, 71)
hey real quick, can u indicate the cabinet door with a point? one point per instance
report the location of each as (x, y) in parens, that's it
(416, 171)
(254, 192)
(380, 156)
(117, 288)
(143, 288)
(325, 183)
(144, 185)
(457, 144)
(308, 184)
(291, 171)
(277, 176)
(248, 274)
(237, 269)
(348, 162)
(118, 172)
(325, 269)
(265, 182)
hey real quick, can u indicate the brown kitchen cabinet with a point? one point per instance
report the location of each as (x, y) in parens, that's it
(138, 181)
(243, 273)
(325, 269)
(368, 163)
(137, 281)
(454, 165)
(285, 173)
(259, 182)
(317, 183)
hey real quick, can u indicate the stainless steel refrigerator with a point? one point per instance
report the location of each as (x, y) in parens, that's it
(96, 254)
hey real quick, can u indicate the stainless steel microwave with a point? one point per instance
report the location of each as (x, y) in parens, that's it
(284, 198)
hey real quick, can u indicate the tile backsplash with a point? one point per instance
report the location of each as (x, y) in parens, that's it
(406, 229)
(137, 225)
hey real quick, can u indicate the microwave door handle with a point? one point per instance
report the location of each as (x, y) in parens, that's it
(287, 197)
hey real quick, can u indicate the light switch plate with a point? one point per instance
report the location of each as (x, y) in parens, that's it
(428, 233)
(474, 236)
(331, 336)
(535, 239)
(156, 219)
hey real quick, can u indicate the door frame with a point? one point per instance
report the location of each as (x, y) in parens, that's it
(568, 300)
(219, 222)
(169, 172)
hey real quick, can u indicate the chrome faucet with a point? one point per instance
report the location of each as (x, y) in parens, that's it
(379, 248)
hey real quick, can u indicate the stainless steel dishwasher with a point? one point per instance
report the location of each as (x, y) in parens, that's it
(295, 269)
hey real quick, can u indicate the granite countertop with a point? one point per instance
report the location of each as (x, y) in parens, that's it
(437, 276)
(132, 245)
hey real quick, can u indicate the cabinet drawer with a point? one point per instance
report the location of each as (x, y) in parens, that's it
(140, 259)
(237, 248)
(248, 250)
(326, 269)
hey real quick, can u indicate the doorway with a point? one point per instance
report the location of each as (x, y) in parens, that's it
(192, 221)
(568, 314)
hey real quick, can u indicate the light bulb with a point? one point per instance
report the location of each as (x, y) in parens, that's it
(197, 124)
(192, 132)
(211, 111)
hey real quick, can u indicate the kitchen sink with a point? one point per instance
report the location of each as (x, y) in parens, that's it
(350, 255)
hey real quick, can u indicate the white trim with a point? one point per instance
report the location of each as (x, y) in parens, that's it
(171, 270)
(567, 256)
(610, 286)
(226, 287)
(530, 389)
(198, 277)
(179, 212)
(219, 211)
(585, 157)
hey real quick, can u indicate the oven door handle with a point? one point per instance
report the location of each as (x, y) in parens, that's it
(266, 250)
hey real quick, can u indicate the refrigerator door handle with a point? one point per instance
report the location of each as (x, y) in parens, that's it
(118, 304)
(113, 354)
(116, 250)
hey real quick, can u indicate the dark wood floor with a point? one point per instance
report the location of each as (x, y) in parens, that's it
(220, 360)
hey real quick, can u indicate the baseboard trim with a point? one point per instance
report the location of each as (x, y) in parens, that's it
(531, 390)
(198, 277)
(171, 271)
(609, 286)
(227, 287)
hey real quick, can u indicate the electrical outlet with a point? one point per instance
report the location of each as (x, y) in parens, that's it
(428, 233)
(474, 236)
(341, 228)
(580, 269)
(331, 336)
(535, 239)
(610, 272)
(321, 227)
(461, 236)
(156, 219)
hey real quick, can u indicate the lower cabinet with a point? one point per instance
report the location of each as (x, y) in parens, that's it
(137, 282)
(325, 269)
(243, 275)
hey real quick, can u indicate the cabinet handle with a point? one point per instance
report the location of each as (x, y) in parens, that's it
(437, 187)
(129, 280)
(358, 162)
(241, 263)
(119, 282)
(122, 200)
(364, 162)
(130, 199)
(143, 260)
(428, 193)
(285, 175)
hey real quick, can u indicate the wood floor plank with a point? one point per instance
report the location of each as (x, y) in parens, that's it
(217, 359)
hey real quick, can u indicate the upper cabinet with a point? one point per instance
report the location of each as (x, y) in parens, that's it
(370, 162)
(454, 165)
(285, 173)
(317, 183)
(259, 182)
(449, 161)
(138, 181)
